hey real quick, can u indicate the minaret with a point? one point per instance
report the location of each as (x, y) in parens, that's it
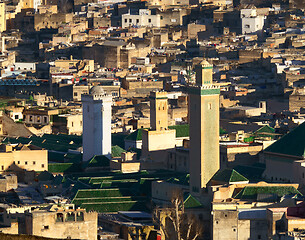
(204, 128)
(158, 139)
(158, 111)
(96, 123)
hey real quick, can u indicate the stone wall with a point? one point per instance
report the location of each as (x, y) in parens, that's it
(22, 237)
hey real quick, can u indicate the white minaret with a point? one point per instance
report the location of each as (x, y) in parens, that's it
(96, 123)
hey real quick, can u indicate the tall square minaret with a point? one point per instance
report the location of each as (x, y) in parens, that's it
(96, 123)
(158, 139)
(204, 128)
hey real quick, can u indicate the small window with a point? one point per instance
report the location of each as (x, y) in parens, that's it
(149, 20)
(45, 119)
(2, 167)
(46, 227)
(75, 94)
(18, 162)
(70, 217)
(16, 117)
(59, 217)
(80, 216)
(125, 20)
(42, 165)
(138, 20)
(72, 124)
(34, 163)
(210, 106)
(130, 20)
(26, 163)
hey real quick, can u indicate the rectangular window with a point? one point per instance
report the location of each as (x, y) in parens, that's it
(130, 20)
(138, 20)
(16, 117)
(34, 163)
(42, 165)
(125, 20)
(26, 163)
(149, 20)
(2, 167)
(46, 227)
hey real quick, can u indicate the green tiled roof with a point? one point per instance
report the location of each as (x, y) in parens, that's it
(97, 161)
(222, 131)
(265, 129)
(136, 135)
(182, 180)
(116, 151)
(63, 167)
(251, 192)
(190, 201)
(291, 144)
(98, 193)
(253, 173)
(60, 142)
(229, 176)
(181, 130)
(79, 201)
(115, 206)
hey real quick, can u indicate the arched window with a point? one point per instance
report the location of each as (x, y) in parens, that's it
(80, 216)
(70, 217)
(59, 217)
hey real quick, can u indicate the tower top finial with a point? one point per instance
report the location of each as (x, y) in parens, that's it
(205, 63)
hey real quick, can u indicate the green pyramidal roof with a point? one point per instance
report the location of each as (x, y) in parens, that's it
(97, 161)
(291, 144)
(190, 201)
(265, 129)
(116, 151)
(229, 176)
